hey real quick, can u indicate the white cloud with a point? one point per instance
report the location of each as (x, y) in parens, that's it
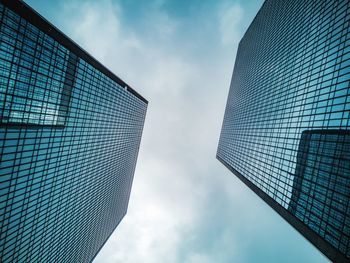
(230, 23)
(167, 195)
(176, 190)
(95, 25)
(184, 204)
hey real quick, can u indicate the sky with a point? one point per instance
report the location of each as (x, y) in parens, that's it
(185, 206)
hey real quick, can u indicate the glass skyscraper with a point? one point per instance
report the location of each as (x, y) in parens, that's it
(70, 132)
(286, 129)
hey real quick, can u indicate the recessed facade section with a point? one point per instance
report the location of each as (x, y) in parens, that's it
(321, 186)
(38, 73)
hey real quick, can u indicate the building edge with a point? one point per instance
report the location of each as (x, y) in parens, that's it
(328, 250)
(109, 235)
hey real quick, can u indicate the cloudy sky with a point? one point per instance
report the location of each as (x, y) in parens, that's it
(185, 206)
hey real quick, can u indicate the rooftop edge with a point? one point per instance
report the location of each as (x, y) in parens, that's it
(28, 13)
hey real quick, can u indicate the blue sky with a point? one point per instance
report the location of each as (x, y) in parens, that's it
(184, 206)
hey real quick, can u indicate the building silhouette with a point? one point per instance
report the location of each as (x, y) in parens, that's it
(286, 127)
(70, 133)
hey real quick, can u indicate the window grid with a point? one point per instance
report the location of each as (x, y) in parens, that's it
(64, 182)
(291, 75)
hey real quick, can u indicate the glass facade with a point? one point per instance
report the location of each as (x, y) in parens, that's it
(321, 187)
(70, 132)
(288, 107)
